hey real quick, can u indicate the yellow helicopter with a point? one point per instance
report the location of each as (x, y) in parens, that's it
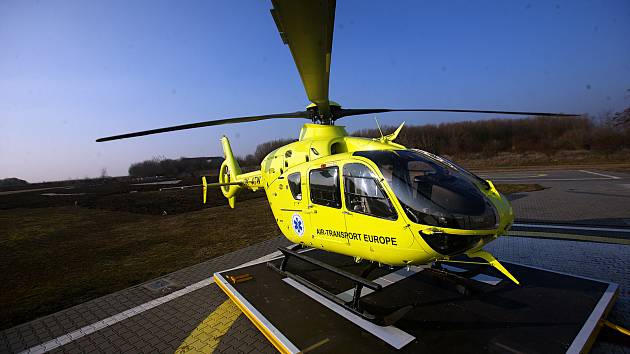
(371, 199)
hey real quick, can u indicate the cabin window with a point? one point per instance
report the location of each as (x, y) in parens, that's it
(295, 186)
(338, 148)
(364, 193)
(324, 186)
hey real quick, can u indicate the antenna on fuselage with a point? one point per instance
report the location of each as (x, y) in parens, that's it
(379, 127)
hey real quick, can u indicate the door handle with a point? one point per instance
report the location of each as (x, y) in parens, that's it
(346, 212)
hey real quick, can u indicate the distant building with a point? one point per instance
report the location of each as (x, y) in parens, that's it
(203, 166)
(213, 161)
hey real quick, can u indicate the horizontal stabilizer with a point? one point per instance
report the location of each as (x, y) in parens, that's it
(206, 185)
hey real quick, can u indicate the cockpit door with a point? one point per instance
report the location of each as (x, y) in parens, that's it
(371, 214)
(324, 207)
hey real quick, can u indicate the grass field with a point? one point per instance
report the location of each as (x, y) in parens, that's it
(56, 257)
(618, 160)
(57, 253)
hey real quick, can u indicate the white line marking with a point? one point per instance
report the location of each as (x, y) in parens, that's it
(119, 317)
(158, 183)
(91, 328)
(483, 278)
(549, 179)
(593, 320)
(391, 335)
(33, 190)
(600, 174)
(181, 187)
(524, 178)
(544, 226)
(569, 237)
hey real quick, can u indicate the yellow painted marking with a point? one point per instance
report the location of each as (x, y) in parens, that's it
(574, 237)
(261, 327)
(207, 336)
(316, 345)
(617, 327)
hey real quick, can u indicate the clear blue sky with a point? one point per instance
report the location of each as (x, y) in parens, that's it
(73, 71)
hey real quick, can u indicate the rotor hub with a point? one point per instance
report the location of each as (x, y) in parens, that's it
(318, 117)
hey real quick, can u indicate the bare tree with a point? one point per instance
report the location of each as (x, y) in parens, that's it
(622, 119)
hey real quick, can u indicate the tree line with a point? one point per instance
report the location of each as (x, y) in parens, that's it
(184, 167)
(194, 167)
(486, 137)
(535, 134)
(262, 150)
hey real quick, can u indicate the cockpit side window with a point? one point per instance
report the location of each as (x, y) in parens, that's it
(364, 193)
(324, 186)
(295, 186)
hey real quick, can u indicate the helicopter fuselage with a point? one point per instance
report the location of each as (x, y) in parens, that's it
(325, 194)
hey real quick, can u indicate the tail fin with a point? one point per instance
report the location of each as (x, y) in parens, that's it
(205, 188)
(230, 170)
(231, 178)
(390, 137)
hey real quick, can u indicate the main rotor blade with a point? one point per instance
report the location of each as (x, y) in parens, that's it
(299, 114)
(306, 26)
(345, 112)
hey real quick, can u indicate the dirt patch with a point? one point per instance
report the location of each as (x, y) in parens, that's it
(507, 189)
(121, 196)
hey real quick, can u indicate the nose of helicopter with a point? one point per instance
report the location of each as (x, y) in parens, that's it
(449, 244)
(447, 241)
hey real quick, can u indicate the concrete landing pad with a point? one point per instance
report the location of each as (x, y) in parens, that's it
(551, 312)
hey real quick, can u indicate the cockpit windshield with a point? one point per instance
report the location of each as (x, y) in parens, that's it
(433, 192)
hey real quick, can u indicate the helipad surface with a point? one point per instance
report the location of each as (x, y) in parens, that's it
(194, 314)
(549, 312)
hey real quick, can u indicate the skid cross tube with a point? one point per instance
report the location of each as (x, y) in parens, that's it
(355, 278)
(354, 305)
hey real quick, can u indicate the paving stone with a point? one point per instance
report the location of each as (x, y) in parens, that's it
(59, 350)
(106, 347)
(74, 350)
(564, 201)
(30, 340)
(230, 350)
(16, 346)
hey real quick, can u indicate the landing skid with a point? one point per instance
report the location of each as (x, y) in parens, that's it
(355, 306)
(457, 281)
